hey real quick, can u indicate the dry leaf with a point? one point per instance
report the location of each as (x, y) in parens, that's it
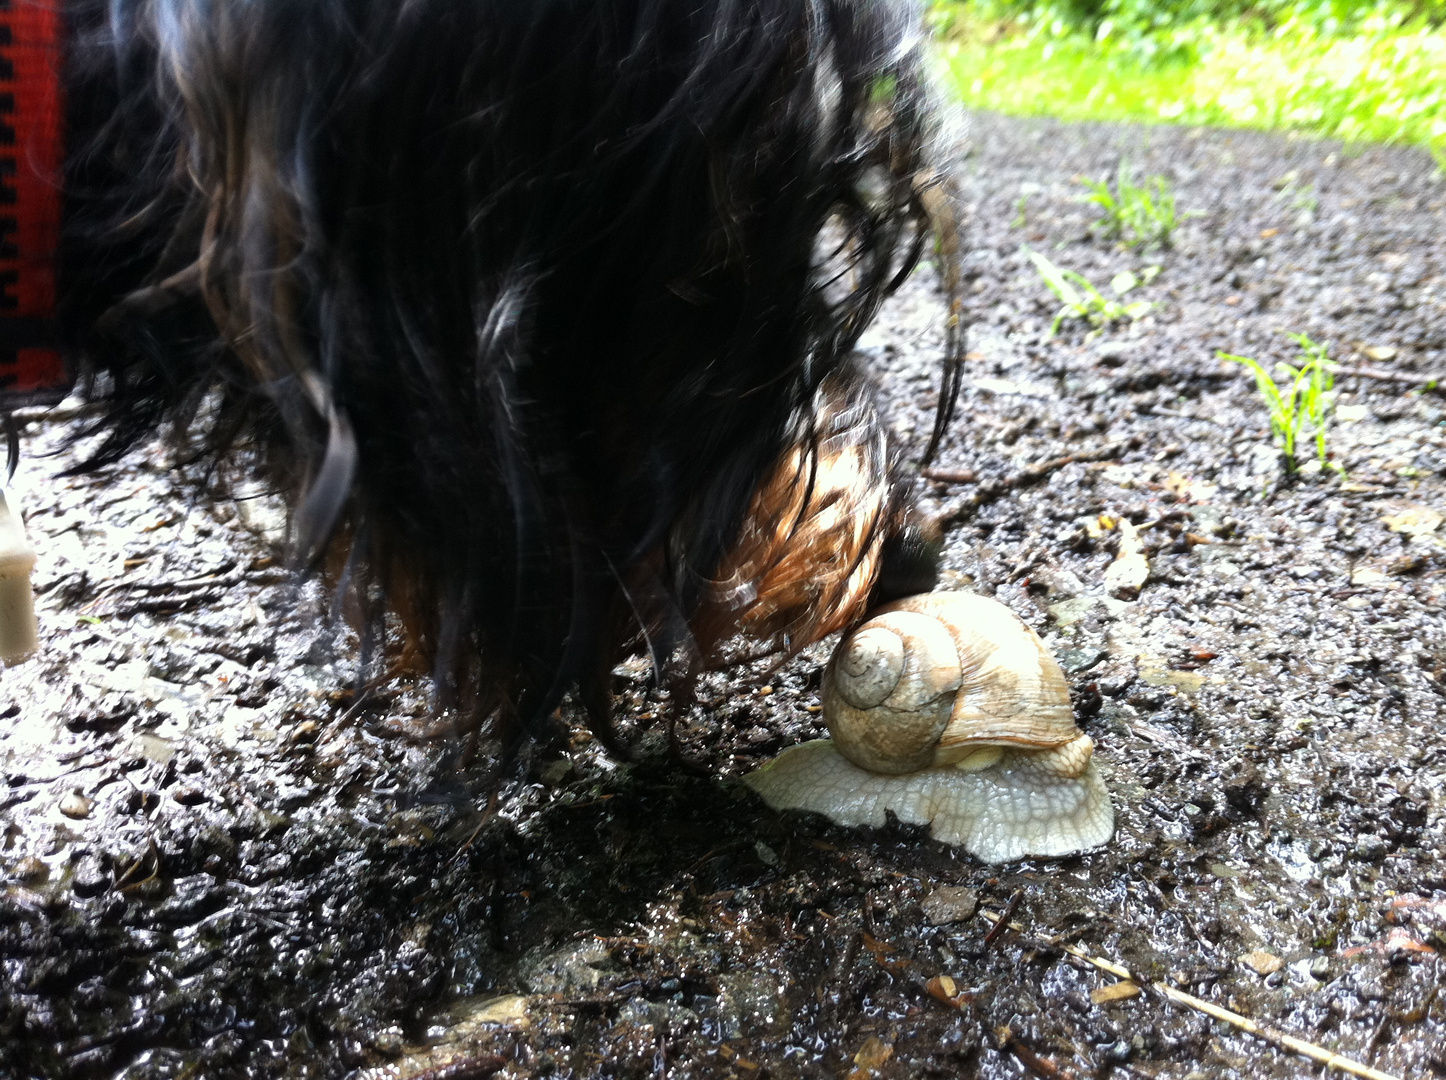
(945, 989)
(1262, 962)
(1189, 488)
(1413, 519)
(877, 947)
(873, 1053)
(1266, 234)
(1408, 907)
(727, 1053)
(1397, 940)
(1407, 564)
(1367, 575)
(881, 951)
(1185, 680)
(1114, 992)
(1126, 575)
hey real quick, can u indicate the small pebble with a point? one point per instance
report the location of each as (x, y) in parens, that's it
(1262, 962)
(1117, 351)
(89, 877)
(303, 732)
(1369, 849)
(1118, 1053)
(1077, 660)
(1320, 968)
(75, 805)
(949, 904)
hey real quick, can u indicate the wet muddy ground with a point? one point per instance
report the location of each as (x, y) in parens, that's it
(219, 858)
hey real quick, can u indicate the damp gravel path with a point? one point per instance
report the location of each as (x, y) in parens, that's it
(220, 858)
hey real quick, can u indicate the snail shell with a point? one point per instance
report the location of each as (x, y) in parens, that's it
(936, 678)
(947, 711)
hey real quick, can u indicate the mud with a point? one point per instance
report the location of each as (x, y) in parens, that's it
(221, 857)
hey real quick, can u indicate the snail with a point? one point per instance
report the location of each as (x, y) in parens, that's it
(947, 710)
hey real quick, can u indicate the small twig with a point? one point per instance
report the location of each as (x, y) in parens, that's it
(181, 595)
(1165, 519)
(1328, 1058)
(472, 1068)
(1379, 1035)
(151, 859)
(67, 410)
(1175, 414)
(1058, 941)
(693, 869)
(1003, 921)
(1040, 1066)
(224, 575)
(950, 476)
(364, 696)
(1391, 376)
(1042, 469)
(1030, 474)
(167, 605)
(487, 815)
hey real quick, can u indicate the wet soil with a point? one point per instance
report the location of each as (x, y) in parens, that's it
(219, 857)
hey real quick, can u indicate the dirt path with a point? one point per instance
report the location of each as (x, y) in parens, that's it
(217, 860)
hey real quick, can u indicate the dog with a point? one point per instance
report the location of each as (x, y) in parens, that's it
(542, 311)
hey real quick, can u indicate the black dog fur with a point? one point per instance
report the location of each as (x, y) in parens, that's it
(525, 301)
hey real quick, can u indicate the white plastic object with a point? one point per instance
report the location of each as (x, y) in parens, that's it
(18, 630)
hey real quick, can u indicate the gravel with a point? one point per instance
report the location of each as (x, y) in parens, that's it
(219, 858)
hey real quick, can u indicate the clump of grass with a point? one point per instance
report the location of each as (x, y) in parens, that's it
(1380, 79)
(1302, 197)
(1140, 215)
(1299, 406)
(1081, 300)
(1021, 208)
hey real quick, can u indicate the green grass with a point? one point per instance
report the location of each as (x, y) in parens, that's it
(1139, 215)
(1299, 406)
(1081, 300)
(1385, 81)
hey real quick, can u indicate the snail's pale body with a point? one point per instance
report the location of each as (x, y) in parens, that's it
(946, 710)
